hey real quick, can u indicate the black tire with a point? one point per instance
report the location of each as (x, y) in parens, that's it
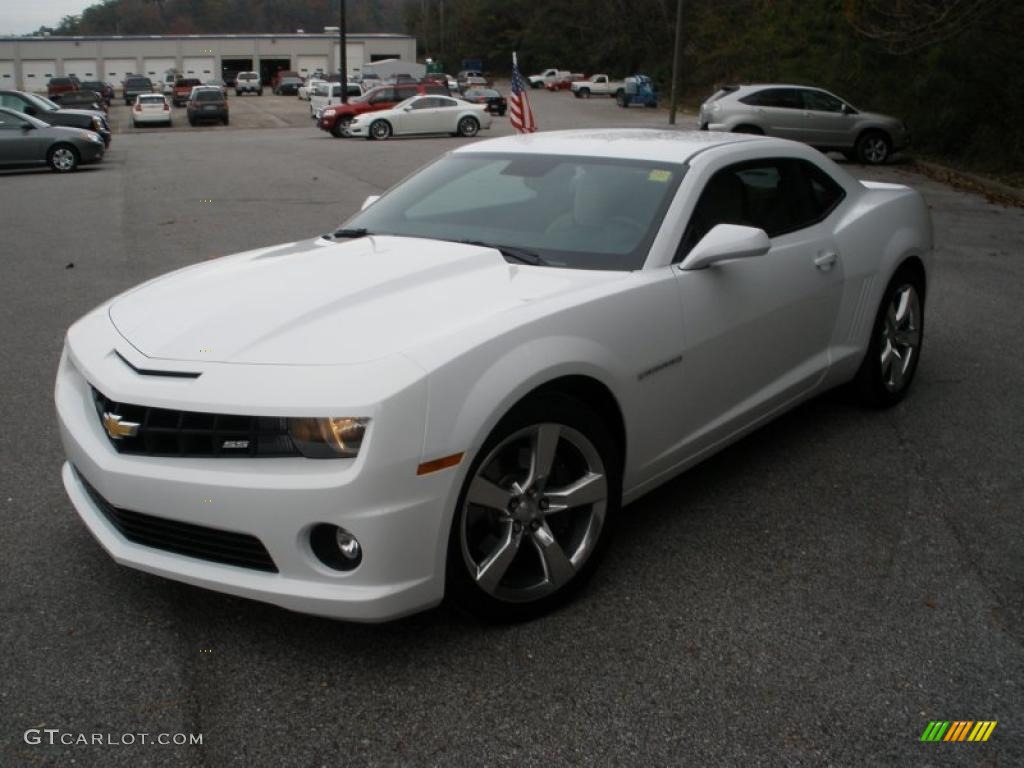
(751, 129)
(873, 148)
(338, 129)
(876, 384)
(238, 93)
(380, 130)
(63, 158)
(226, 120)
(192, 122)
(259, 92)
(462, 587)
(583, 93)
(468, 127)
(620, 99)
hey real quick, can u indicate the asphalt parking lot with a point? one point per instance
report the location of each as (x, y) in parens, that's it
(814, 595)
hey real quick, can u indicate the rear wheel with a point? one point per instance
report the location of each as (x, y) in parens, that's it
(63, 158)
(468, 126)
(535, 510)
(891, 359)
(380, 130)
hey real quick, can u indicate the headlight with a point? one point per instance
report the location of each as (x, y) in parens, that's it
(337, 438)
(90, 136)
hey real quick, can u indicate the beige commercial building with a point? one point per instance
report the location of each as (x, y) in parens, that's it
(27, 63)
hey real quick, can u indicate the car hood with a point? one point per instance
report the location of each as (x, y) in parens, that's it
(90, 113)
(321, 302)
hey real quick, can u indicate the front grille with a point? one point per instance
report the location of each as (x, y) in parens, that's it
(166, 432)
(197, 541)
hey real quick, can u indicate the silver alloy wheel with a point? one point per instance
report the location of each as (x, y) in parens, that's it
(468, 127)
(380, 130)
(901, 337)
(533, 512)
(63, 159)
(876, 149)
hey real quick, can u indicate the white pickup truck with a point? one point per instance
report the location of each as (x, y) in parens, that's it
(548, 76)
(601, 85)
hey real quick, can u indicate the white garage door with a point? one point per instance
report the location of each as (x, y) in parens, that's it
(354, 56)
(307, 65)
(154, 68)
(198, 66)
(36, 73)
(116, 70)
(83, 69)
(7, 75)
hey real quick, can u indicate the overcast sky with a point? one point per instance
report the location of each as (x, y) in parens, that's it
(18, 17)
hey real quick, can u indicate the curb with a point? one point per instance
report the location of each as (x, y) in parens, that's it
(994, 190)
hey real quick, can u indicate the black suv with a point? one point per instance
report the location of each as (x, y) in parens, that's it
(207, 103)
(52, 114)
(134, 85)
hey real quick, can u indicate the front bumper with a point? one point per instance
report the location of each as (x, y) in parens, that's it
(400, 519)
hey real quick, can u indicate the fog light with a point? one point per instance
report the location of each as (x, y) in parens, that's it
(335, 547)
(348, 545)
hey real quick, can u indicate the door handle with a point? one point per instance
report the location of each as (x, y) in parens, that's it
(825, 260)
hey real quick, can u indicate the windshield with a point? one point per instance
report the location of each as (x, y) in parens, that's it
(208, 95)
(41, 102)
(577, 212)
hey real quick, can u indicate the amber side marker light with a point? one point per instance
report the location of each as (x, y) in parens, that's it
(438, 464)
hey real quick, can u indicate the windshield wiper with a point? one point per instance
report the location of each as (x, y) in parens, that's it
(358, 232)
(522, 255)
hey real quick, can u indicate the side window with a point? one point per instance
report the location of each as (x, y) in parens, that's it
(784, 98)
(778, 195)
(10, 122)
(404, 93)
(819, 101)
(424, 103)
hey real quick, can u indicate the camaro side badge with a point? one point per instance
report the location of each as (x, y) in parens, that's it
(117, 428)
(659, 367)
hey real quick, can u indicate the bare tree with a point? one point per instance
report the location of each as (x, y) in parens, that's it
(905, 26)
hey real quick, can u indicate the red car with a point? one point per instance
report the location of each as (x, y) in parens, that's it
(183, 90)
(335, 117)
(59, 85)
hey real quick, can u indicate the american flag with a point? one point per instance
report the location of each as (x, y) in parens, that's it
(519, 103)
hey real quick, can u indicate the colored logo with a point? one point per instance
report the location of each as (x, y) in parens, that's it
(117, 428)
(958, 730)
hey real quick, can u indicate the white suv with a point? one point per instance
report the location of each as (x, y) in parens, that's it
(248, 82)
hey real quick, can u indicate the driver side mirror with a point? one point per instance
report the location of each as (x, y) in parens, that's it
(726, 242)
(847, 109)
(369, 201)
(26, 127)
(407, 108)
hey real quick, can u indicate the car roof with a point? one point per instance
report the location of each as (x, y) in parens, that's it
(624, 143)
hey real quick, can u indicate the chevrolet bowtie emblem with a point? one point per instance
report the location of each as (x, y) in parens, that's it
(117, 428)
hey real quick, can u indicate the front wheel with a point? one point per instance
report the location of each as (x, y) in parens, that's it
(535, 510)
(380, 130)
(893, 352)
(63, 158)
(468, 126)
(584, 93)
(620, 99)
(873, 148)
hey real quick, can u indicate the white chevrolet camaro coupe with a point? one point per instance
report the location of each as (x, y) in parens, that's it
(454, 394)
(422, 114)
